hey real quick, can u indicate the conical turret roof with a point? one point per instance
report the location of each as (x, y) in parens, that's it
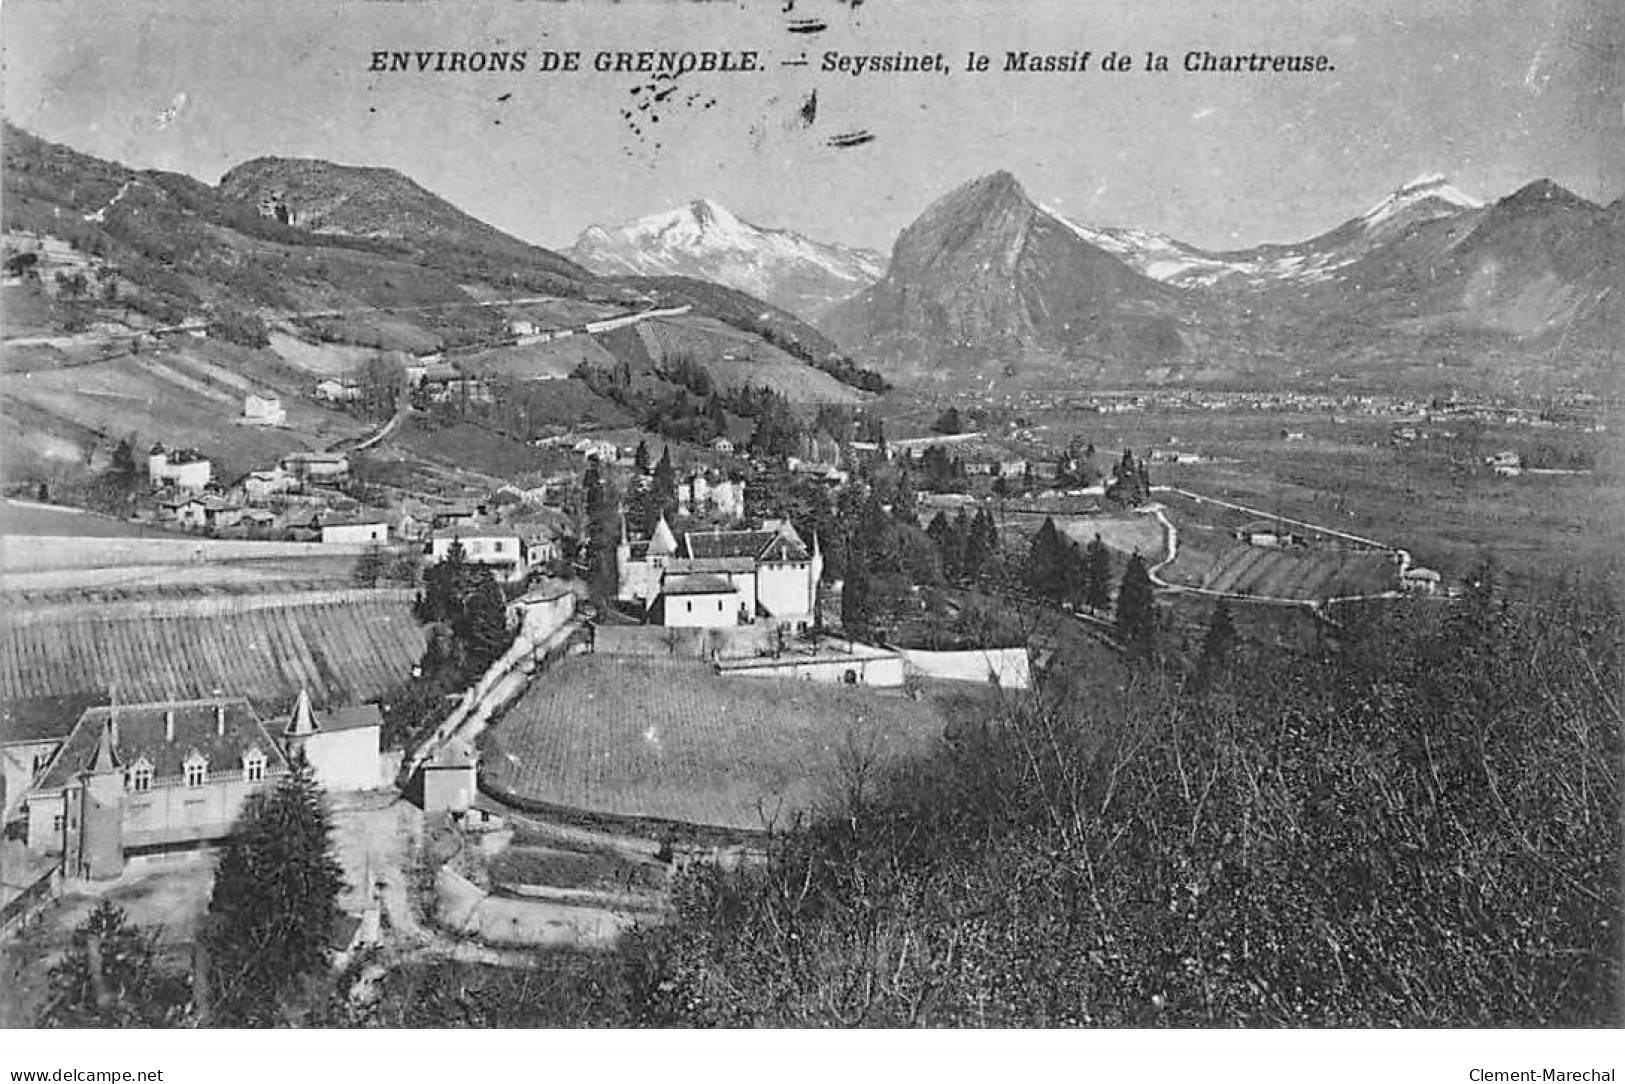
(104, 758)
(303, 720)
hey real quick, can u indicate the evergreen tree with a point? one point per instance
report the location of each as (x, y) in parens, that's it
(109, 978)
(484, 626)
(274, 904)
(663, 490)
(640, 458)
(1046, 562)
(1136, 608)
(855, 601)
(1097, 575)
(123, 469)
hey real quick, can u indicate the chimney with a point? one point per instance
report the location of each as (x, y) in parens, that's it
(220, 720)
(169, 725)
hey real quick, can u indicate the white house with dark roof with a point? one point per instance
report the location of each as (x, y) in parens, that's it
(771, 572)
(497, 548)
(342, 745)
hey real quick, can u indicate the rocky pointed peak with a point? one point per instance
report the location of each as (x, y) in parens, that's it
(1545, 193)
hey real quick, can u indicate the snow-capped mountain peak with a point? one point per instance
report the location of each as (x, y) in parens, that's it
(703, 239)
(1429, 186)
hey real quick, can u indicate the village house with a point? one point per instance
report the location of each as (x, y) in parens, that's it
(316, 468)
(500, 550)
(722, 446)
(771, 572)
(259, 486)
(263, 410)
(460, 516)
(1508, 464)
(338, 391)
(184, 468)
(604, 451)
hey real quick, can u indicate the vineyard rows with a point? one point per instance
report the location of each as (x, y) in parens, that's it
(343, 653)
(1252, 570)
(670, 739)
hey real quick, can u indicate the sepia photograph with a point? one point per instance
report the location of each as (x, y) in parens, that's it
(812, 514)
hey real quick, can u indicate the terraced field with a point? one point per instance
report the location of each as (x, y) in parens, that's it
(1252, 570)
(669, 739)
(346, 647)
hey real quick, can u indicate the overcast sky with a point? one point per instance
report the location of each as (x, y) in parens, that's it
(1492, 93)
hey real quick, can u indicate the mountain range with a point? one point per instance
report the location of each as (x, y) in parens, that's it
(705, 240)
(1429, 285)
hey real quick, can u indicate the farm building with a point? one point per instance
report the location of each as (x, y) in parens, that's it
(147, 777)
(263, 410)
(723, 446)
(1423, 581)
(502, 551)
(771, 570)
(184, 468)
(356, 530)
(259, 486)
(338, 391)
(1268, 534)
(316, 467)
(604, 451)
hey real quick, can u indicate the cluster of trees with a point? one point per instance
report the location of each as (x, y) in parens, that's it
(262, 956)
(1060, 570)
(1131, 482)
(1418, 828)
(652, 492)
(241, 327)
(467, 614)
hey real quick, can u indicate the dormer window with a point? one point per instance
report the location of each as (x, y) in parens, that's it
(140, 775)
(196, 768)
(254, 766)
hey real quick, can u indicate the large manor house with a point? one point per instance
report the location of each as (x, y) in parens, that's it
(720, 579)
(130, 779)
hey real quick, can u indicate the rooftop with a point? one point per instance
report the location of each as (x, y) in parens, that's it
(697, 583)
(139, 734)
